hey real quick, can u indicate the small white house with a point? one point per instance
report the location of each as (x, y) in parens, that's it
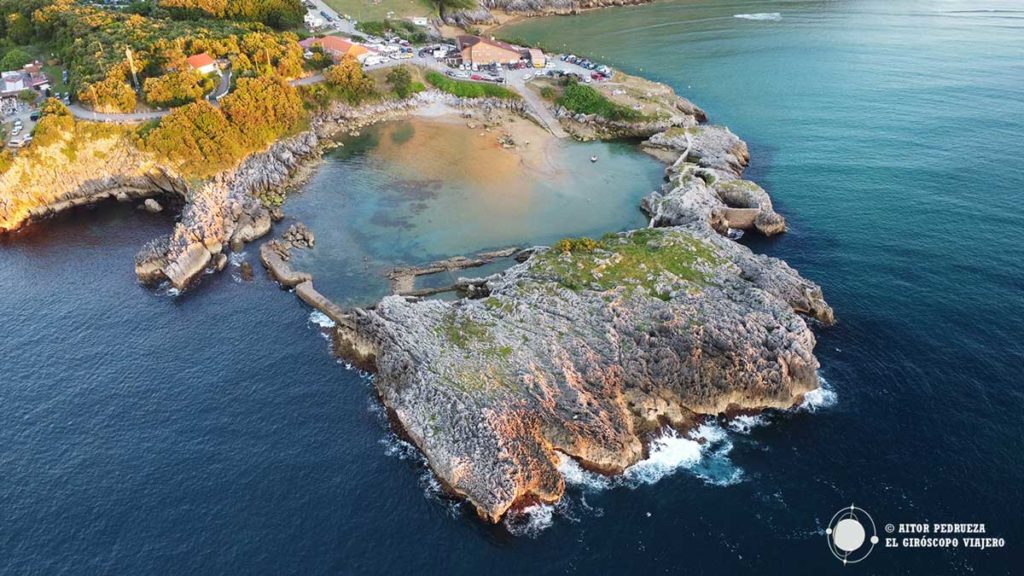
(203, 63)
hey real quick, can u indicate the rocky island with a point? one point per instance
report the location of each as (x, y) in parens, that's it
(583, 349)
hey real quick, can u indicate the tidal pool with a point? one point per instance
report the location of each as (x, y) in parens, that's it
(413, 191)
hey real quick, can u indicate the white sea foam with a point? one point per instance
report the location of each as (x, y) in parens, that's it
(669, 452)
(530, 521)
(770, 16)
(823, 397)
(236, 258)
(745, 423)
(575, 475)
(320, 319)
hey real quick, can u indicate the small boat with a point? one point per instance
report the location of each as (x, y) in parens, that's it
(593, 158)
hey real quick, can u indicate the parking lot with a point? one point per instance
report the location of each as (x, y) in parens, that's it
(18, 122)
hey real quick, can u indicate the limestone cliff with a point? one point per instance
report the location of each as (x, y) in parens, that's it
(68, 173)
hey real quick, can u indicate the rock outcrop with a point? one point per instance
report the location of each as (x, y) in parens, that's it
(584, 350)
(484, 12)
(705, 184)
(225, 212)
(53, 179)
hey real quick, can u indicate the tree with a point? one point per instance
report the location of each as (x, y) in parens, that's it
(174, 89)
(112, 94)
(348, 77)
(28, 95)
(400, 81)
(262, 108)
(19, 28)
(54, 122)
(15, 59)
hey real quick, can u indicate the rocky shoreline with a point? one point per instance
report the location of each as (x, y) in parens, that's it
(588, 347)
(582, 350)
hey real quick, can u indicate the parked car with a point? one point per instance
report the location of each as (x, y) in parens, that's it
(34, 117)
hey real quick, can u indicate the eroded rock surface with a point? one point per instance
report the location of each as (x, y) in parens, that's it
(705, 184)
(585, 351)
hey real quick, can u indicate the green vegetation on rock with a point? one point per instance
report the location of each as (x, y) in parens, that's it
(641, 258)
(402, 28)
(469, 89)
(583, 99)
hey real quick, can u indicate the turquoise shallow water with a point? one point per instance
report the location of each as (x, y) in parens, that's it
(213, 433)
(415, 191)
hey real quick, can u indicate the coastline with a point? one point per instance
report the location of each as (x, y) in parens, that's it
(586, 406)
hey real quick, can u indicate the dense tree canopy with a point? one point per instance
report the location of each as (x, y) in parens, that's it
(348, 78)
(176, 88)
(280, 14)
(14, 59)
(262, 108)
(197, 138)
(112, 94)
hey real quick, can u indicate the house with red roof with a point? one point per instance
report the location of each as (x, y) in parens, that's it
(337, 47)
(202, 63)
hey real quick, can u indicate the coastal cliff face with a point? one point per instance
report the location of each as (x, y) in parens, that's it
(484, 13)
(224, 212)
(66, 174)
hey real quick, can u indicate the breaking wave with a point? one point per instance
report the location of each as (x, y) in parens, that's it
(745, 423)
(703, 452)
(530, 521)
(823, 397)
(320, 319)
(771, 16)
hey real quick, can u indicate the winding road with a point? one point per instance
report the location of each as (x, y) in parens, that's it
(516, 80)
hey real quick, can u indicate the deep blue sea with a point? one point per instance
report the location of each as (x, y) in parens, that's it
(213, 433)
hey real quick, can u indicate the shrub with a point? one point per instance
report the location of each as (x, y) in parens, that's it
(401, 28)
(55, 120)
(583, 244)
(583, 99)
(400, 80)
(469, 89)
(112, 94)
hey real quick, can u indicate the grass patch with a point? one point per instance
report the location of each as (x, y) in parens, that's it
(463, 331)
(583, 99)
(366, 10)
(464, 89)
(640, 259)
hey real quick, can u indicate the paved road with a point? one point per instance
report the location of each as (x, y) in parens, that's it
(514, 78)
(339, 24)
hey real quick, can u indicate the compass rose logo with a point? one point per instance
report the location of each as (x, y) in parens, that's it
(848, 535)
